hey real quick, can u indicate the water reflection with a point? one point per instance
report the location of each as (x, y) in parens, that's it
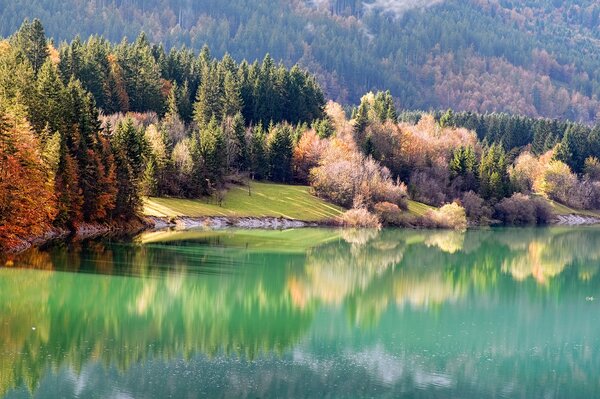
(341, 312)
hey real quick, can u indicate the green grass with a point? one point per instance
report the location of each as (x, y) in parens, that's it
(560, 209)
(267, 200)
(418, 208)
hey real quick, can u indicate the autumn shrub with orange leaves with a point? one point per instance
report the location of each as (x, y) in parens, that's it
(449, 216)
(360, 217)
(345, 175)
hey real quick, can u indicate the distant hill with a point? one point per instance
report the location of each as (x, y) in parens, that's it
(535, 57)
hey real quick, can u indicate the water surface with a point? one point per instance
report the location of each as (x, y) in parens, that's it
(509, 313)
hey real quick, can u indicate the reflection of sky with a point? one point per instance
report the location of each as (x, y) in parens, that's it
(409, 352)
(301, 374)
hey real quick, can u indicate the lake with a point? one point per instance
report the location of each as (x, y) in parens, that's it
(510, 313)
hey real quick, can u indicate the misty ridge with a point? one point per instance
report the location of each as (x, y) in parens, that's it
(398, 7)
(394, 7)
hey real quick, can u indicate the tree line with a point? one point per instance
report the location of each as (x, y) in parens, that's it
(89, 128)
(63, 163)
(537, 58)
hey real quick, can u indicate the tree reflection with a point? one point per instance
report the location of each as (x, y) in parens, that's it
(246, 294)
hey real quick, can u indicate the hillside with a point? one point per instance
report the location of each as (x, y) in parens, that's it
(541, 57)
(265, 200)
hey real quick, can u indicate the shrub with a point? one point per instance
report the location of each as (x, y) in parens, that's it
(476, 209)
(390, 214)
(360, 217)
(428, 185)
(559, 183)
(449, 216)
(592, 168)
(525, 172)
(521, 209)
(344, 175)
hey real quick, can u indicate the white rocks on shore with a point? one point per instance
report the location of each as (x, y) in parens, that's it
(576, 220)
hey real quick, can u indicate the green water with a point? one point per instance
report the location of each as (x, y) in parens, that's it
(305, 313)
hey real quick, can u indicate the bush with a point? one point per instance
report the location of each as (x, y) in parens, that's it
(449, 216)
(525, 171)
(521, 209)
(390, 214)
(360, 217)
(559, 183)
(592, 168)
(344, 176)
(476, 209)
(428, 185)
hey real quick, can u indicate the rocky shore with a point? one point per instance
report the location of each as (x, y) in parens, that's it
(82, 231)
(576, 220)
(89, 230)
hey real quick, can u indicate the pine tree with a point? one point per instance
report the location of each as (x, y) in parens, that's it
(213, 150)
(361, 120)
(235, 139)
(149, 185)
(259, 164)
(131, 141)
(280, 150)
(31, 40)
(384, 107)
(209, 100)
(172, 106)
(49, 106)
(493, 175)
(232, 101)
(128, 147)
(184, 103)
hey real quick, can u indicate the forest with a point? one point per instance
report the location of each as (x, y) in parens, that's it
(88, 128)
(540, 58)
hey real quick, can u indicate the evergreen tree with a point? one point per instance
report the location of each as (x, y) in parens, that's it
(384, 107)
(209, 100)
(259, 163)
(361, 120)
(493, 176)
(280, 150)
(31, 40)
(232, 101)
(128, 148)
(213, 150)
(49, 107)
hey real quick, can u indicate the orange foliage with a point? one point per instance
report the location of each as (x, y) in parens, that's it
(307, 154)
(27, 203)
(427, 142)
(495, 85)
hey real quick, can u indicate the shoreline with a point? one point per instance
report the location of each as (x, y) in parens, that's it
(83, 231)
(147, 223)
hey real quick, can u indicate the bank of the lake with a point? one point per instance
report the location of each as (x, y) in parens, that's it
(258, 205)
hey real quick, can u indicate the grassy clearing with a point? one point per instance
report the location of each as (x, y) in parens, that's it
(418, 208)
(267, 200)
(560, 209)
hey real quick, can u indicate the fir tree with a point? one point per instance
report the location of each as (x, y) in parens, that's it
(280, 151)
(31, 40)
